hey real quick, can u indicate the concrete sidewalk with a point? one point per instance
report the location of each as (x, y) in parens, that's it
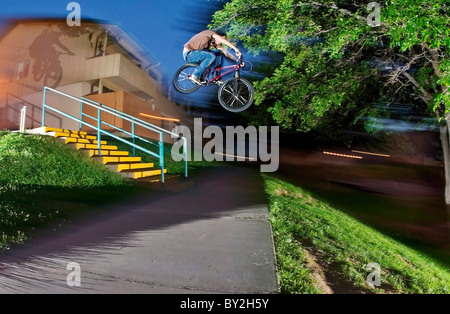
(212, 237)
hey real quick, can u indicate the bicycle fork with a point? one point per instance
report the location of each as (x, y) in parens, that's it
(237, 76)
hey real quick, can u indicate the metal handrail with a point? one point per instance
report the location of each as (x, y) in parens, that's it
(27, 103)
(150, 126)
(131, 117)
(101, 108)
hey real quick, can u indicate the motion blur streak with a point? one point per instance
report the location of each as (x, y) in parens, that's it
(342, 155)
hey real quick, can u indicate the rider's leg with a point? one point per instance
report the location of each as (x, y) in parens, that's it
(205, 58)
(217, 62)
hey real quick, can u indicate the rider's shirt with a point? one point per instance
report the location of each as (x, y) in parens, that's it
(202, 40)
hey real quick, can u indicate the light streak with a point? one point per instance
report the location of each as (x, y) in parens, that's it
(367, 153)
(343, 155)
(158, 118)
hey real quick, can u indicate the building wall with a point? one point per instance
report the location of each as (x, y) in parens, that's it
(34, 54)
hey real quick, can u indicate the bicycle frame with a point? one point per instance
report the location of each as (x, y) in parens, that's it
(230, 91)
(230, 69)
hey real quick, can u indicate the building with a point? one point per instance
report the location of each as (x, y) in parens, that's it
(95, 60)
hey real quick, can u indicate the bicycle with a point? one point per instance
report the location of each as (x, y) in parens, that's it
(50, 69)
(235, 94)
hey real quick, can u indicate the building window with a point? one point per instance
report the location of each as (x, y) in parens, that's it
(6, 74)
(23, 70)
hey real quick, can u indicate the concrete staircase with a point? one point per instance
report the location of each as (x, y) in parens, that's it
(118, 161)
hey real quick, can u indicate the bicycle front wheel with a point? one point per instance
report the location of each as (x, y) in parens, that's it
(53, 77)
(182, 81)
(236, 94)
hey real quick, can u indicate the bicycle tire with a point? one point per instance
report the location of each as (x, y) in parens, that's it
(38, 72)
(181, 79)
(240, 102)
(53, 77)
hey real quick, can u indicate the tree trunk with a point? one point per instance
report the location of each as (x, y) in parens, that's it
(446, 152)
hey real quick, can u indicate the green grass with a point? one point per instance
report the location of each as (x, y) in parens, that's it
(343, 246)
(43, 161)
(43, 181)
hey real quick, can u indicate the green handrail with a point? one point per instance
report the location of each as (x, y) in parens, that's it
(102, 108)
(141, 122)
(132, 134)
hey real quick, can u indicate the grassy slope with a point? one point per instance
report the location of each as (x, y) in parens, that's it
(344, 247)
(40, 160)
(42, 180)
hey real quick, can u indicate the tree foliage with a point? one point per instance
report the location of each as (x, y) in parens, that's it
(335, 62)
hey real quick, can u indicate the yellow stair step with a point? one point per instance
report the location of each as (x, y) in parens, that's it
(79, 146)
(48, 130)
(61, 134)
(70, 140)
(116, 159)
(106, 153)
(133, 174)
(119, 167)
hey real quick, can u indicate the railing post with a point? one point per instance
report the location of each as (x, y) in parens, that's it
(44, 104)
(99, 134)
(23, 119)
(161, 155)
(133, 138)
(81, 115)
(32, 117)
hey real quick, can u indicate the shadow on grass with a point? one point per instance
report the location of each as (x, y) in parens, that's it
(27, 209)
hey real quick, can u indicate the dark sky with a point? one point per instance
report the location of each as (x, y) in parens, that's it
(160, 27)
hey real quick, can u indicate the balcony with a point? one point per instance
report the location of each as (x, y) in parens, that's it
(120, 73)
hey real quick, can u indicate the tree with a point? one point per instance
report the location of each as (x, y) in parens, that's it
(334, 56)
(419, 33)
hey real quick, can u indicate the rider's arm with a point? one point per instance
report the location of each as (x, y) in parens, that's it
(220, 40)
(227, 54)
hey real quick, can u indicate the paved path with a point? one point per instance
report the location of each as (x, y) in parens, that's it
(211, 237)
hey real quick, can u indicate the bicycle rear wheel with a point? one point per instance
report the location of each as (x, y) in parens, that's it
(236, 94)
(181, 80)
